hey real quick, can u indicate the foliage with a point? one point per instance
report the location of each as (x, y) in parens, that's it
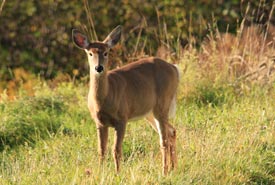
(36, 35)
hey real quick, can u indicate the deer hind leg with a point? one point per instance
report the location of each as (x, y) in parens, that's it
(118, 139)
(171, 133)
(164, 143)
(172, 145)
(152, 121)
(102, 133)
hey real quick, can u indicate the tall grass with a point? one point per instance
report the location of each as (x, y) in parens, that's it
(2, 5)
(231, 142)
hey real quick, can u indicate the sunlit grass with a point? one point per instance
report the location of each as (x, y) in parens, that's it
(229, 143)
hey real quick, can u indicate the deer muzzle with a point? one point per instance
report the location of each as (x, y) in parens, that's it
(99, 68)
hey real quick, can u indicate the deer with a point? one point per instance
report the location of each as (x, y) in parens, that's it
(144, 88)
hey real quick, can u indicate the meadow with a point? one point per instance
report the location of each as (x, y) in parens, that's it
(225, 117)
(225, 131)
(51, 139)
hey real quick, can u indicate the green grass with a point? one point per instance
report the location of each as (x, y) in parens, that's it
(51, 139)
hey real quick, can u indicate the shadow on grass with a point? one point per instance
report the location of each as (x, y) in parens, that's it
(267, 174)
(29, 119)
(260, 178)
(207, 95)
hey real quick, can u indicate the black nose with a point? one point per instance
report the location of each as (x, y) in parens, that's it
(99, 68)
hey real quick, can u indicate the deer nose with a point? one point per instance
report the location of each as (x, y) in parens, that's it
(99, 68)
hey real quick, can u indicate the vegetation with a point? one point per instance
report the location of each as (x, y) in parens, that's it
(50, 139)
(225, 116)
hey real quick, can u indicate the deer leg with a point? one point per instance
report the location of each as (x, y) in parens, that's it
(172, 139)
(164, 144)
(151, 119)
(117, 151)
(102, 133)
(172, 144)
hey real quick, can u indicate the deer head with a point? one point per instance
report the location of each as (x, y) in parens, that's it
(97, 52)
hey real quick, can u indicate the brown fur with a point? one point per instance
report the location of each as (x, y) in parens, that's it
(143, 88)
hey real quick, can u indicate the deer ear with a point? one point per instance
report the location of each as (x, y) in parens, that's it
(80, 39)
(113, 37)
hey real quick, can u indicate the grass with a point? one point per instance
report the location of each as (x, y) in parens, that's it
(231, 142)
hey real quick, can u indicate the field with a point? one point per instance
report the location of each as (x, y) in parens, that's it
(225, 117)
(222, 139)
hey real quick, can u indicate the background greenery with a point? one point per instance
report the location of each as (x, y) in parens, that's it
(36, 35)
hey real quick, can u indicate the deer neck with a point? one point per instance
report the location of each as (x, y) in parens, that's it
(98, 88)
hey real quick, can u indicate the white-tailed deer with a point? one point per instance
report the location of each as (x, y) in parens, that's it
(145, 88)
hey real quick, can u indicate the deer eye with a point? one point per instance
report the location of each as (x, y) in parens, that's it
(91, 54)
(105, 54)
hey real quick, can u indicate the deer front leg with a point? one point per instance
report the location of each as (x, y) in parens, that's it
(118, 139)
(102, 133)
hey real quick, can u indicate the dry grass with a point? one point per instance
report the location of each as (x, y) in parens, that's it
(249, 56)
